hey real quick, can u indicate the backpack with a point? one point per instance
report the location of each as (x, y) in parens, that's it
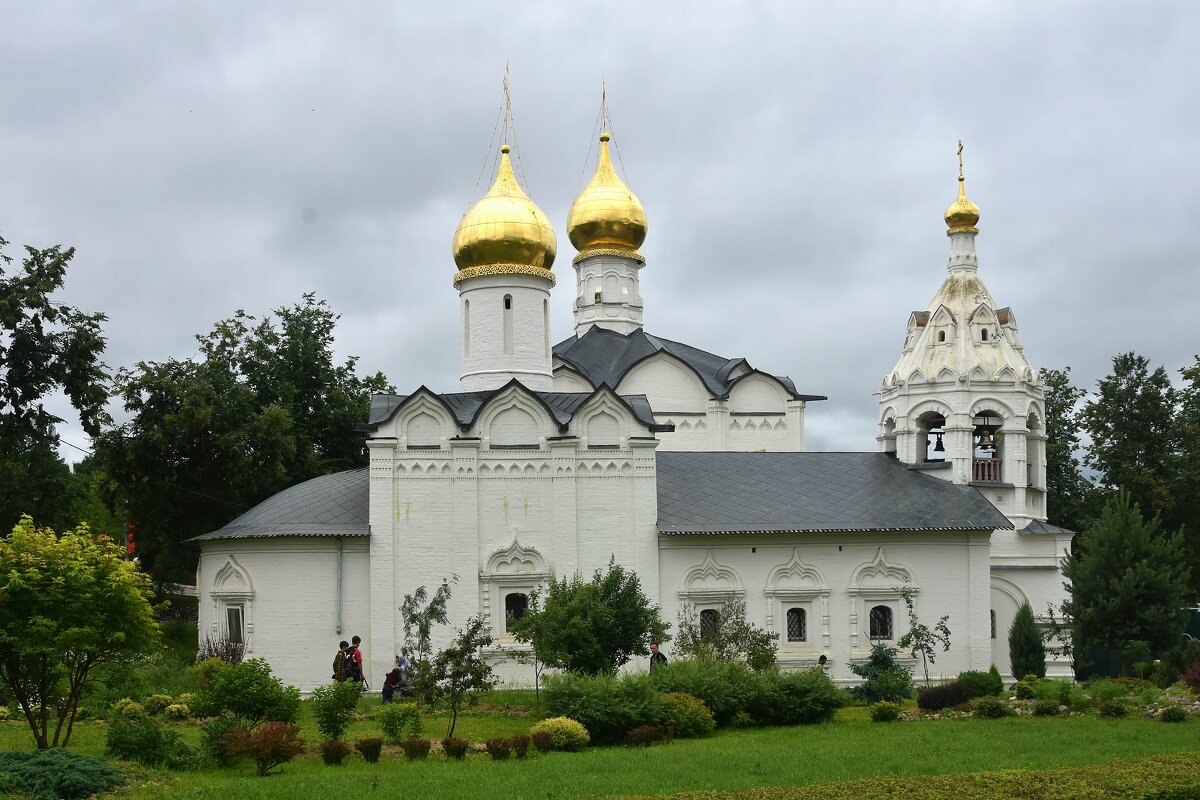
(353, 673)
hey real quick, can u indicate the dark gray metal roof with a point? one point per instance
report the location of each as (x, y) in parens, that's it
(1039, 528)
(810, 492)
(604, 357)
(331, 505)
(465, 406)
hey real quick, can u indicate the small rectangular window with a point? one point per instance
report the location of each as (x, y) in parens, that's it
(233, 624)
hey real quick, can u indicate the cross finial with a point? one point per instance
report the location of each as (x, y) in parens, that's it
(507, 103)
(960, 168)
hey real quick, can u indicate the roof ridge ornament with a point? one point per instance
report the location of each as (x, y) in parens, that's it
(962, 215)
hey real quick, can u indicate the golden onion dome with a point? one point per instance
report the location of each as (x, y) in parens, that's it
(606, 215)
(505, 232)
(962, 215)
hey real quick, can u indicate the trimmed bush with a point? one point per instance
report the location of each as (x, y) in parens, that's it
(688, 714)
(399, 721)
(416, 748)
(499, 748)
(982, 684)
(565, 734)
(157, 703)
(606, 705)
(177, 711)
(1112, 708)
(1173, 714)
(990, 708)
(883, 711)
(726, 688)
(520, 745)
(249, 691)
(542, 740)
(948, 695)
(334, 752)
(883, 678)
(213, 742)
(333, 705)
(268, 746)
(56, 773)
(455, 747)
(1045, 708)
(645, 735)
(143, 740)
(797, 698)
(1024, 688)
(129, 709)
(370, 749)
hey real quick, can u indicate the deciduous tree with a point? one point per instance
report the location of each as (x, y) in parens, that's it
(920, 637)
(460, 670)
(1069, 492)
(732, 637)
(67, 603)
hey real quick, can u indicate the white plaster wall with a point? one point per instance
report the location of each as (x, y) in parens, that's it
(668, 385)
(485, 364)
(620, 304)
(293, 612)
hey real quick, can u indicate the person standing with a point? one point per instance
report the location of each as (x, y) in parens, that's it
(354, 661)
(657, 659)
(339, 661)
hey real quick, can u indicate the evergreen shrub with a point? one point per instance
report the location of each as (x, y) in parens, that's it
(1027, 650)
(268, 746)
(982, 684)
(370, 749)
(1112, 708)
(416, 748)
(797, 698)
(129, 709)
(990, 708)
(1046, 708)
(213, 741)
(883, 678)
(688, 714)
(1024, 688)
(334, 752)
(883, 711)
(56, 773)
(399, 721)
(565, 734)
(177, 711)
(726, 688)
(143, 740)
(333, 706)
(520, 745)
(157, 703)
(455, 747)
(646, 735)
(607, 705)
(1174, 714)
(498, 748)
(948, 695)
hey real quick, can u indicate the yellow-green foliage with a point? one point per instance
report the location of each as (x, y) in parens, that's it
(399, 721)
(1169, 776)
(566, 733)
(128, 708)
(157, 703)
(5, 713)
(177, 711)
(688, 714)
(883, 711)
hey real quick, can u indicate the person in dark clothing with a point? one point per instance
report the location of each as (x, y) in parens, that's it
(339, 661)
(392, 683)
(657, 659)
(354, 661)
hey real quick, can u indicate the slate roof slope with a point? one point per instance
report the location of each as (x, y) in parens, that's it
(810, 492)
(1037, 528)
(331, 505)
(604, 356)
(465, 406)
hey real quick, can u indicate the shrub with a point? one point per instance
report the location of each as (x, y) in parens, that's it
(185, 699)
(1112, 708)
(399, 721)
(883, 678)
(1173, 714)
(1106, 689)
(334, 751)
(370, 749)
(1045, 708)
(128, 709)
(606, 705)
(542, 740)
(177, 711)
(520, 745)
(982, 684)
(725, 687)
(688, 714)
(948, 695)
(990, 708)
(205, 672)
(1024, 688)
(143, 740)
(333, 705)
(645, 735)
(797, 698)
(213, 742)
(221, 649)
(1191, 678)
(565, 734)
(249, 691)
(157, 703)
(883, 711)
(416, 748)
(498, 749)
(6, 713)
(1027, 650)
(455, 747)
(268, 746)
(56, 773)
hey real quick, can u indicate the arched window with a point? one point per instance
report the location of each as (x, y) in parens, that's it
(983, 334)
(515, 606)
(508, 324)
(881, 622)
(710, 620)
(941, 336)
(797, 625)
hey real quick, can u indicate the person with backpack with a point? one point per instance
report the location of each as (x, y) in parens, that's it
(339, 661)
(354, 661)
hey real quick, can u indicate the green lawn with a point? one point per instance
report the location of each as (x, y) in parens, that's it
(848, 748)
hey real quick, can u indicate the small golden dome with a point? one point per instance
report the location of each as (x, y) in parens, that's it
(504, 228)
(606, 215)
(962, 215)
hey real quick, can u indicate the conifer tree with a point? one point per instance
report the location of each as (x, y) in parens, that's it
(1026, 650)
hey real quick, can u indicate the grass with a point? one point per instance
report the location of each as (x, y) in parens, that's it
(849, 748)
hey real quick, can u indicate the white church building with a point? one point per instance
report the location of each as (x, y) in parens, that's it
(684, 466)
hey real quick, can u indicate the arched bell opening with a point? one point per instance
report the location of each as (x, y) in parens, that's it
(987, 463)
(932, 426)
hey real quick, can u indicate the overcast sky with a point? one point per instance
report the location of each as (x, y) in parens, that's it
(794, 159)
